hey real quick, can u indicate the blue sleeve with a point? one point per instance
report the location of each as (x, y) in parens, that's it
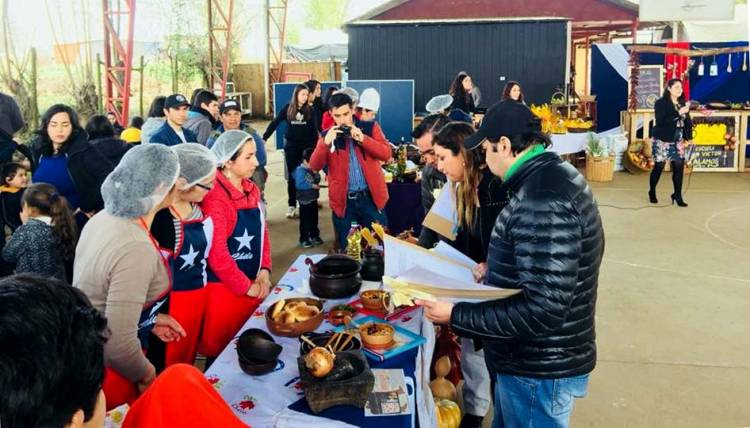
(300, 182)
(260, 147)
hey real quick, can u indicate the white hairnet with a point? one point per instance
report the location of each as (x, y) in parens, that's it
(141, 181)
(228, 143)
(196, 163)
(439, 103)
(353, 94)
(370, 99)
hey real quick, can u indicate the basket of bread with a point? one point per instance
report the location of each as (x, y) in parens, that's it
(295, 316)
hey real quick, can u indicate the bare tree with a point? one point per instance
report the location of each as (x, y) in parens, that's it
(14, 73)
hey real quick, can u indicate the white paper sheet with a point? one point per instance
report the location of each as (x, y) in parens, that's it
(401, 256)
(422, 276)
(442, 217)
(446, 250)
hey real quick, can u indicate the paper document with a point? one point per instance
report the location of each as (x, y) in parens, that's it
(442, 217)
(422, 283)
(400, 256)
(446, 250)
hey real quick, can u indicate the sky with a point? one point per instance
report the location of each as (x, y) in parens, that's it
(30, 24)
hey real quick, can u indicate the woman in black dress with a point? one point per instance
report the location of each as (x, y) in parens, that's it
(672, 133)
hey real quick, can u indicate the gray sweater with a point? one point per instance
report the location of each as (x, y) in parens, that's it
(35, 248)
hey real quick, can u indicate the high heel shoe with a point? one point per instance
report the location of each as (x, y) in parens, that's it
(652, 197)
(678, 201)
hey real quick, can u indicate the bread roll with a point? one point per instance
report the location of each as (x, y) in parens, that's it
(287, 317)
(304, 313)
(295, 304)
(278, 308)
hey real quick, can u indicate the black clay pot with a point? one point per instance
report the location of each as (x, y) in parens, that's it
(373, 266)
(256, 347)
(334, 277)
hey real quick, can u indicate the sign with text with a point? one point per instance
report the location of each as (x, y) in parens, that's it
(715, 143)
(650, 86)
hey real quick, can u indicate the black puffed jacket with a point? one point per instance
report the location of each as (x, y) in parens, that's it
(548, 242)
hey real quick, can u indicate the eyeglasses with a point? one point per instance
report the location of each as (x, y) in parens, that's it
(204, 187)
(430, 152)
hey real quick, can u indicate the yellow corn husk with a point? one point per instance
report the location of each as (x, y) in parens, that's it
(379, 231)
(368, 237)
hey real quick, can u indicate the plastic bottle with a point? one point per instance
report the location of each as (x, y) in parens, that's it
(354, 242)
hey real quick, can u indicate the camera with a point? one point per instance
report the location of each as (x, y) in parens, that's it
(343, 136)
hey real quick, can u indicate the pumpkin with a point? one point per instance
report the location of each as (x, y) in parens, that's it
(448, 414)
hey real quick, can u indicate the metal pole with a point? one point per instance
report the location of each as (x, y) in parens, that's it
(99, 82)
(140, 96)
(34, 100)
(267, 65)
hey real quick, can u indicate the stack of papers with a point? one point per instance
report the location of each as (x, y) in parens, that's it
(412, 272)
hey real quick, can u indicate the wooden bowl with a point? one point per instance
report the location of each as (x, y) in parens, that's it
(374, 300)
(381, 339)
(295, 329)
(338, 316)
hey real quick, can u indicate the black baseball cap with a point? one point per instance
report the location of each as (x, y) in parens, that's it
(229, 105)
(504, 119)
(176, 100)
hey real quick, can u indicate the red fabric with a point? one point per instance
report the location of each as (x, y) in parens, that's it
(188, 308)
(223, 210)
(676, 67)
(226, 312)
(327, 121)
(117, 389)
(181, 397)
(378, 150)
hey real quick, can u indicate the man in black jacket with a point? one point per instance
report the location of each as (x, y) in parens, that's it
(548, 242)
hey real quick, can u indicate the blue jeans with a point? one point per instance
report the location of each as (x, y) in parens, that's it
(359, 208)
(539, 403)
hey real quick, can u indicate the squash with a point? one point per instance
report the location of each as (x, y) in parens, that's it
(448, 414)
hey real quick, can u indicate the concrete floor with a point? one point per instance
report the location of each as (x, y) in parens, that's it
(674, 300)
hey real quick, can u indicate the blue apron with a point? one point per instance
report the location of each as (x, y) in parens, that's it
(190, 263)
(147, 321)
(246, 242)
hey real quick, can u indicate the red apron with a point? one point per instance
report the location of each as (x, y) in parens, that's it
(118, 389)
(226, 312)
(189, 296)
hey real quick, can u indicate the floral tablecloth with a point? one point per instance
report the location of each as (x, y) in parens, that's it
(263, 401)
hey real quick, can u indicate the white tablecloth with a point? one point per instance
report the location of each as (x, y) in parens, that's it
(564, 144)
(262, 401)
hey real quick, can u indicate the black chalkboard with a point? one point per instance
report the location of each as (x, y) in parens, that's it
(650, 86)
(713, 157)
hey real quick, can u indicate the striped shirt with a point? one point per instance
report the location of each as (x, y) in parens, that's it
(356, 177)
(195, 214)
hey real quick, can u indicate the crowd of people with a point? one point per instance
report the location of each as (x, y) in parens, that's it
(162, 239)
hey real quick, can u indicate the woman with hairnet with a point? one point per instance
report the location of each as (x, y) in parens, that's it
(239, 262)
(121, 269)
(185, 232)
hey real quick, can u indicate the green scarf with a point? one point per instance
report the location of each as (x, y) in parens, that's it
(537, 150)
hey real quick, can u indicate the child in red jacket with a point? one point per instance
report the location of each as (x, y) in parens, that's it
(239, 262)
